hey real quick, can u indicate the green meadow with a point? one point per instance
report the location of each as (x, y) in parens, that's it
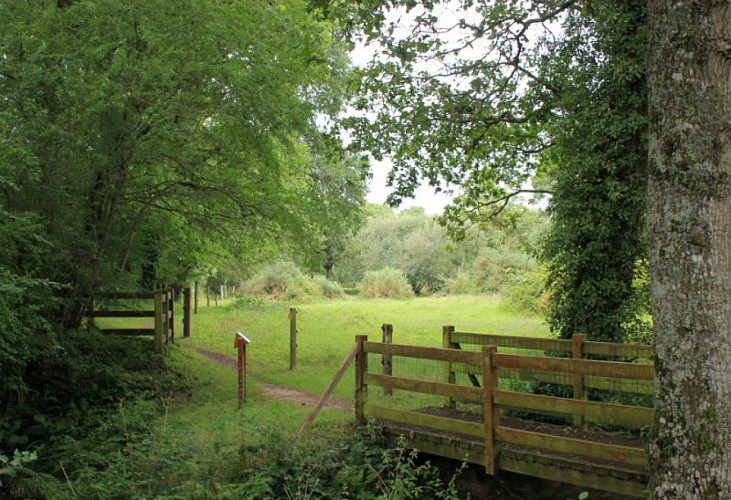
(326, 332)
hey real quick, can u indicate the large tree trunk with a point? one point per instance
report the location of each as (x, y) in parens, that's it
(690, 236)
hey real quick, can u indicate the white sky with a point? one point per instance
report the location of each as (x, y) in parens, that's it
(425, 197)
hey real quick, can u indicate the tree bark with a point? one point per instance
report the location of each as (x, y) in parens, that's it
(689, 216)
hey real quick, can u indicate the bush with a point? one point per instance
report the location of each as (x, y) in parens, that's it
(328, 288)
(460, 283)
(524, 292)
(283, 280)
(386, 283)
(495, 267)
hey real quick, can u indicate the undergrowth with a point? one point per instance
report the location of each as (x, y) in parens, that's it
(119, 431)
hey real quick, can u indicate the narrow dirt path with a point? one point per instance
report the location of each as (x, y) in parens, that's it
(278, 392)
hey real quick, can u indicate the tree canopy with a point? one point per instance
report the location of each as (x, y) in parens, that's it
(144, 135)
(491, 96)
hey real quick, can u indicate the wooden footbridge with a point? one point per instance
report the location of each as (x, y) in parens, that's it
(518, 404)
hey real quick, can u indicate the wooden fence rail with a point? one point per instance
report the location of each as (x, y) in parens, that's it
(163, 314)
(492, 367)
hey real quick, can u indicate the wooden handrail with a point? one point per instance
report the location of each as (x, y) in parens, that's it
(609, 369)
(433, 353)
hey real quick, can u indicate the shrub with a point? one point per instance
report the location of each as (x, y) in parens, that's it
(280, 280)
(524, 291)
(328, 288)
(495, 267)
(460, 283)
(386, 283)
(283, 280)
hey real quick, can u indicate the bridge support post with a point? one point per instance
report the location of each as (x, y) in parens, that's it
(449, 375)
(491, 413)
(361, 389)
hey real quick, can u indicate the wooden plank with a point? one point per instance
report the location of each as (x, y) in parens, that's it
(125, 295)
(619, 350)
(611, 369)
(129, 331)
(432, 353)
(608, 413)
(423, 420)
(518, 342)
(424, 387)
(613, 453)
(123, 314)
(442, 446)
(328, 391)
(590, 382)
(630, 486)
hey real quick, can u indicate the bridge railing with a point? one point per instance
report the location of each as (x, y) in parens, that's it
(494, 398)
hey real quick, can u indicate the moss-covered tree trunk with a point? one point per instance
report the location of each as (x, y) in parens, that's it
(690, 236)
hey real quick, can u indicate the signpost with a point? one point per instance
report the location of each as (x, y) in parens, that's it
(240, 343)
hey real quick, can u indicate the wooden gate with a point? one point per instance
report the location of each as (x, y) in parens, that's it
(163, 312)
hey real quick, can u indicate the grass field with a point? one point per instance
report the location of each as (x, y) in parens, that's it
(326, 332)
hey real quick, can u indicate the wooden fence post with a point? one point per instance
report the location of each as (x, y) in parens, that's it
(292, 338)
(491, 413)
(159, 328)
(450, 376)
(361, 389)
(195, 299)
(171, 313)
(387, 359)
(577, 349)
(186, 312)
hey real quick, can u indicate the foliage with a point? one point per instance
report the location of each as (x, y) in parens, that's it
(386, 283)
(503, 93)
(414, 243)
(524, 292)
(284, 281)
(68, 385)
(597, 234)
(150, 139)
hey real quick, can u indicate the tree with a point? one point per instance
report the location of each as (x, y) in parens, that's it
(596, 244)
(498, 92)
(116, 112)
(338, 188)
(690, 239)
